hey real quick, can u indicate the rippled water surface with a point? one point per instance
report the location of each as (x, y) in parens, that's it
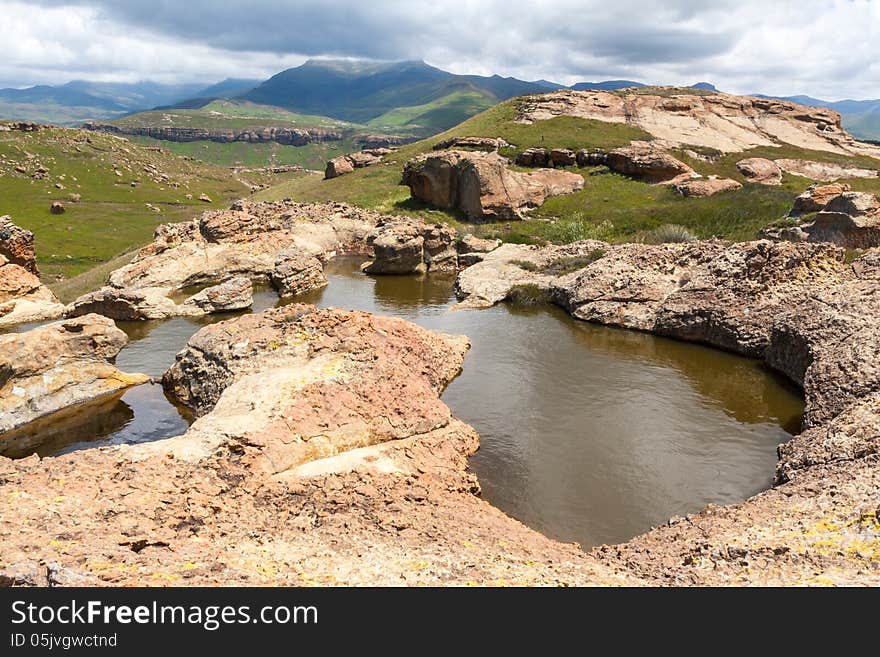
(588, 433)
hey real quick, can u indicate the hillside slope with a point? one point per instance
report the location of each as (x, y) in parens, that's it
(114, 193)
(612, 206)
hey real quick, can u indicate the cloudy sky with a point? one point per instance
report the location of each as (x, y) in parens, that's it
(825, 48)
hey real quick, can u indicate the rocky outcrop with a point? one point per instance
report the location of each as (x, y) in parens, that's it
(59, 365)
(343, 164)
(322, 455)
(816, 198)
(824, 171)
(831, 213)
(402, 245)
(703, 187)
(722, 122)
(760, 171)
(253, 135)
(806, 312)
(383, 141)
(481, 185)
(23, 298)
(477, 143)
(17, 245)
(648, 163)
(297, 272)
(471, 249)
(248, 240)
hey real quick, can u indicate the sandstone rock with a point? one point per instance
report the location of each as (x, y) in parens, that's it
(562, 157)
(23, 298)
(231, 295)
(205, 198)
(74, 198)
(254, 135)
(823, 171)
(534, 157)
(65, 363)
(17, 245)
(297, 272)
(816, 198)
(481, 185)
(703, 187)
(402, 245)
(760, 170)
(471, 249)
(851, 220)
(358, 160)
(338, 166)
(649, 164)
(57, 207)
(245, 240)
(722, 122)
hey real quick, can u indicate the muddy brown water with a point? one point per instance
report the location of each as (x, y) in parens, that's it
(587, 433)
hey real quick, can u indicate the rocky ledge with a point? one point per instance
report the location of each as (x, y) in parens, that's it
(281, 243)
(254, 135)
(57, 366)
(808, 314)
(322, 455)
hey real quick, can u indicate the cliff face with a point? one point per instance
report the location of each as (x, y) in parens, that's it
(254, 135)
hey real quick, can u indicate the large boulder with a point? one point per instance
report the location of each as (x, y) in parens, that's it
(816, 198)
(358, 160)
(58, 365)
(17, 245)
(481, 185)
(760, 170)
(851, 220)
(229, 296)
(23, 298)
(648, 163)
(703, 187)
(296, 272)
(402, 245)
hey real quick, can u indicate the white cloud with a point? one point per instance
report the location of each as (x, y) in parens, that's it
(825, 48)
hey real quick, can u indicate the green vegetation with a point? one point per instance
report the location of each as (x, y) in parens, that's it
(229, 114)
(668, 234)
(611, 207)
(240, 153)
(433, 117)
(115, 180)
(569, 264)
(528, 294)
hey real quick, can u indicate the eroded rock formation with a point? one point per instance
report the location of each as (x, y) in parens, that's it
(23, 298)
(481, 185)
(343, 164)
(760, 170)
(255, 241)
(59, 365)
(17, 245)
(719, 121)
(402, 245)
(254, 135)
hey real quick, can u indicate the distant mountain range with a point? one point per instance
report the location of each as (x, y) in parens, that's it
(410, 93)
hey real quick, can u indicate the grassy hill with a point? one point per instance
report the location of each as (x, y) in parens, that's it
(116, 180)
(610, 207)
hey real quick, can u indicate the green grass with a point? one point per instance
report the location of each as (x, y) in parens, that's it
(112, 216)
(528, 294)
(230, 114)
(611, 207)
(433, 117)
(239, 153)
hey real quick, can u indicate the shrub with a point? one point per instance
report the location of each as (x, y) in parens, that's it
(528, 294)
(668, 233)
(525, 264)
(568, 264)
(577, 229)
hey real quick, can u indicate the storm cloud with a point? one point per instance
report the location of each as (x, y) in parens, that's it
(826, 48)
